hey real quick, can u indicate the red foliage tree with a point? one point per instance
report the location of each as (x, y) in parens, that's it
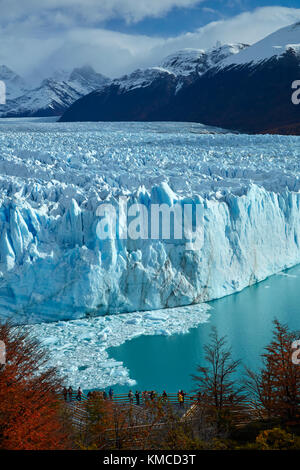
(29, 404)
(275, 389)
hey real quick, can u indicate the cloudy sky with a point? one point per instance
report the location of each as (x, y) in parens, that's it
(116, 36)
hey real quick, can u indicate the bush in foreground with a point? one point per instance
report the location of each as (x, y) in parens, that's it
(30, 410)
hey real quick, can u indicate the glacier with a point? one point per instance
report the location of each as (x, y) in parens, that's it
(53, 176)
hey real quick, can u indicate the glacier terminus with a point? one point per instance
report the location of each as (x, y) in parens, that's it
(53, 177)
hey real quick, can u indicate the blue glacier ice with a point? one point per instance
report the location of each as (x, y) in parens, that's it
(54, 176)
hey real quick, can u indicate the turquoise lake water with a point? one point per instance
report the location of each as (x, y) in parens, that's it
(167, 362)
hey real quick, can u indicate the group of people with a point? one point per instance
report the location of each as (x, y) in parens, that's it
(102, 394)
(144, 396)
(68, 394)
(152, 395)
(138, 396)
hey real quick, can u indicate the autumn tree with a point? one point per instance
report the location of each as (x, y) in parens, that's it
(112, 425)
(216, 386)
(177, 432)
(30, 408)
(106, 424)
(275, 389)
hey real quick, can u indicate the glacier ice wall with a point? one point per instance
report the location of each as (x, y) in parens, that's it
(53, 177)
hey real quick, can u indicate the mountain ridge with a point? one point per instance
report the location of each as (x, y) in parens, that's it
(52, 96)
(249, 91)
(143, 93)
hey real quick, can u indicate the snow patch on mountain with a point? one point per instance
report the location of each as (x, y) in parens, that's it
(15, 85)
(274, 45)
(53, 96)
(189, 61)
(184, 65)
(140, 78)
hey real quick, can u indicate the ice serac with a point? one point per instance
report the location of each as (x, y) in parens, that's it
(246, 238)
(54, 267)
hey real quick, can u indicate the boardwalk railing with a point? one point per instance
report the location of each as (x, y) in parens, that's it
(186, 410)
(78, 409)
(123, 398)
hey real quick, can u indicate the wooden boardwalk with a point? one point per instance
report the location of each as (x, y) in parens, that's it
(187, 411)
(79, 414)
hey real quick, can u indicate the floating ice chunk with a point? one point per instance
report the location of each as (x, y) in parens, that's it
(51, 340)
(163, 332)
(86, 337)
(131, 382)
(72, 356)
(133, 321)
(102, 337)
(286, 274)
(156, 316)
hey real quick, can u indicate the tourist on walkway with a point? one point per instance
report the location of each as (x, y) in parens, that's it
(111, 393)
(79, 394)
(105, 395)
(137, 397)
(183, 394)
(164, 396)
(70, 393)
(130, 396)
(180, 399)
(65, 393)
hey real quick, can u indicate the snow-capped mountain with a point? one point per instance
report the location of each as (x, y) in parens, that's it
(15, 85)
(141, 78)
(145, 93)
(248, 89)
(185, 65)
(50, 98)
(85, 79)
(53, 96)
(273, 46)
(189, 61)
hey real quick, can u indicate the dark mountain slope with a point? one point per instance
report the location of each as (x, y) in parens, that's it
(242, 97)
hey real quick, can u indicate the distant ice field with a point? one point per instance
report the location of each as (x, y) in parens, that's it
(119, 157)
(53, 176)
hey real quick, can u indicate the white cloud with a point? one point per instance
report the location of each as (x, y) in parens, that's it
(92, 10)
(28, 46)
(248, 27)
